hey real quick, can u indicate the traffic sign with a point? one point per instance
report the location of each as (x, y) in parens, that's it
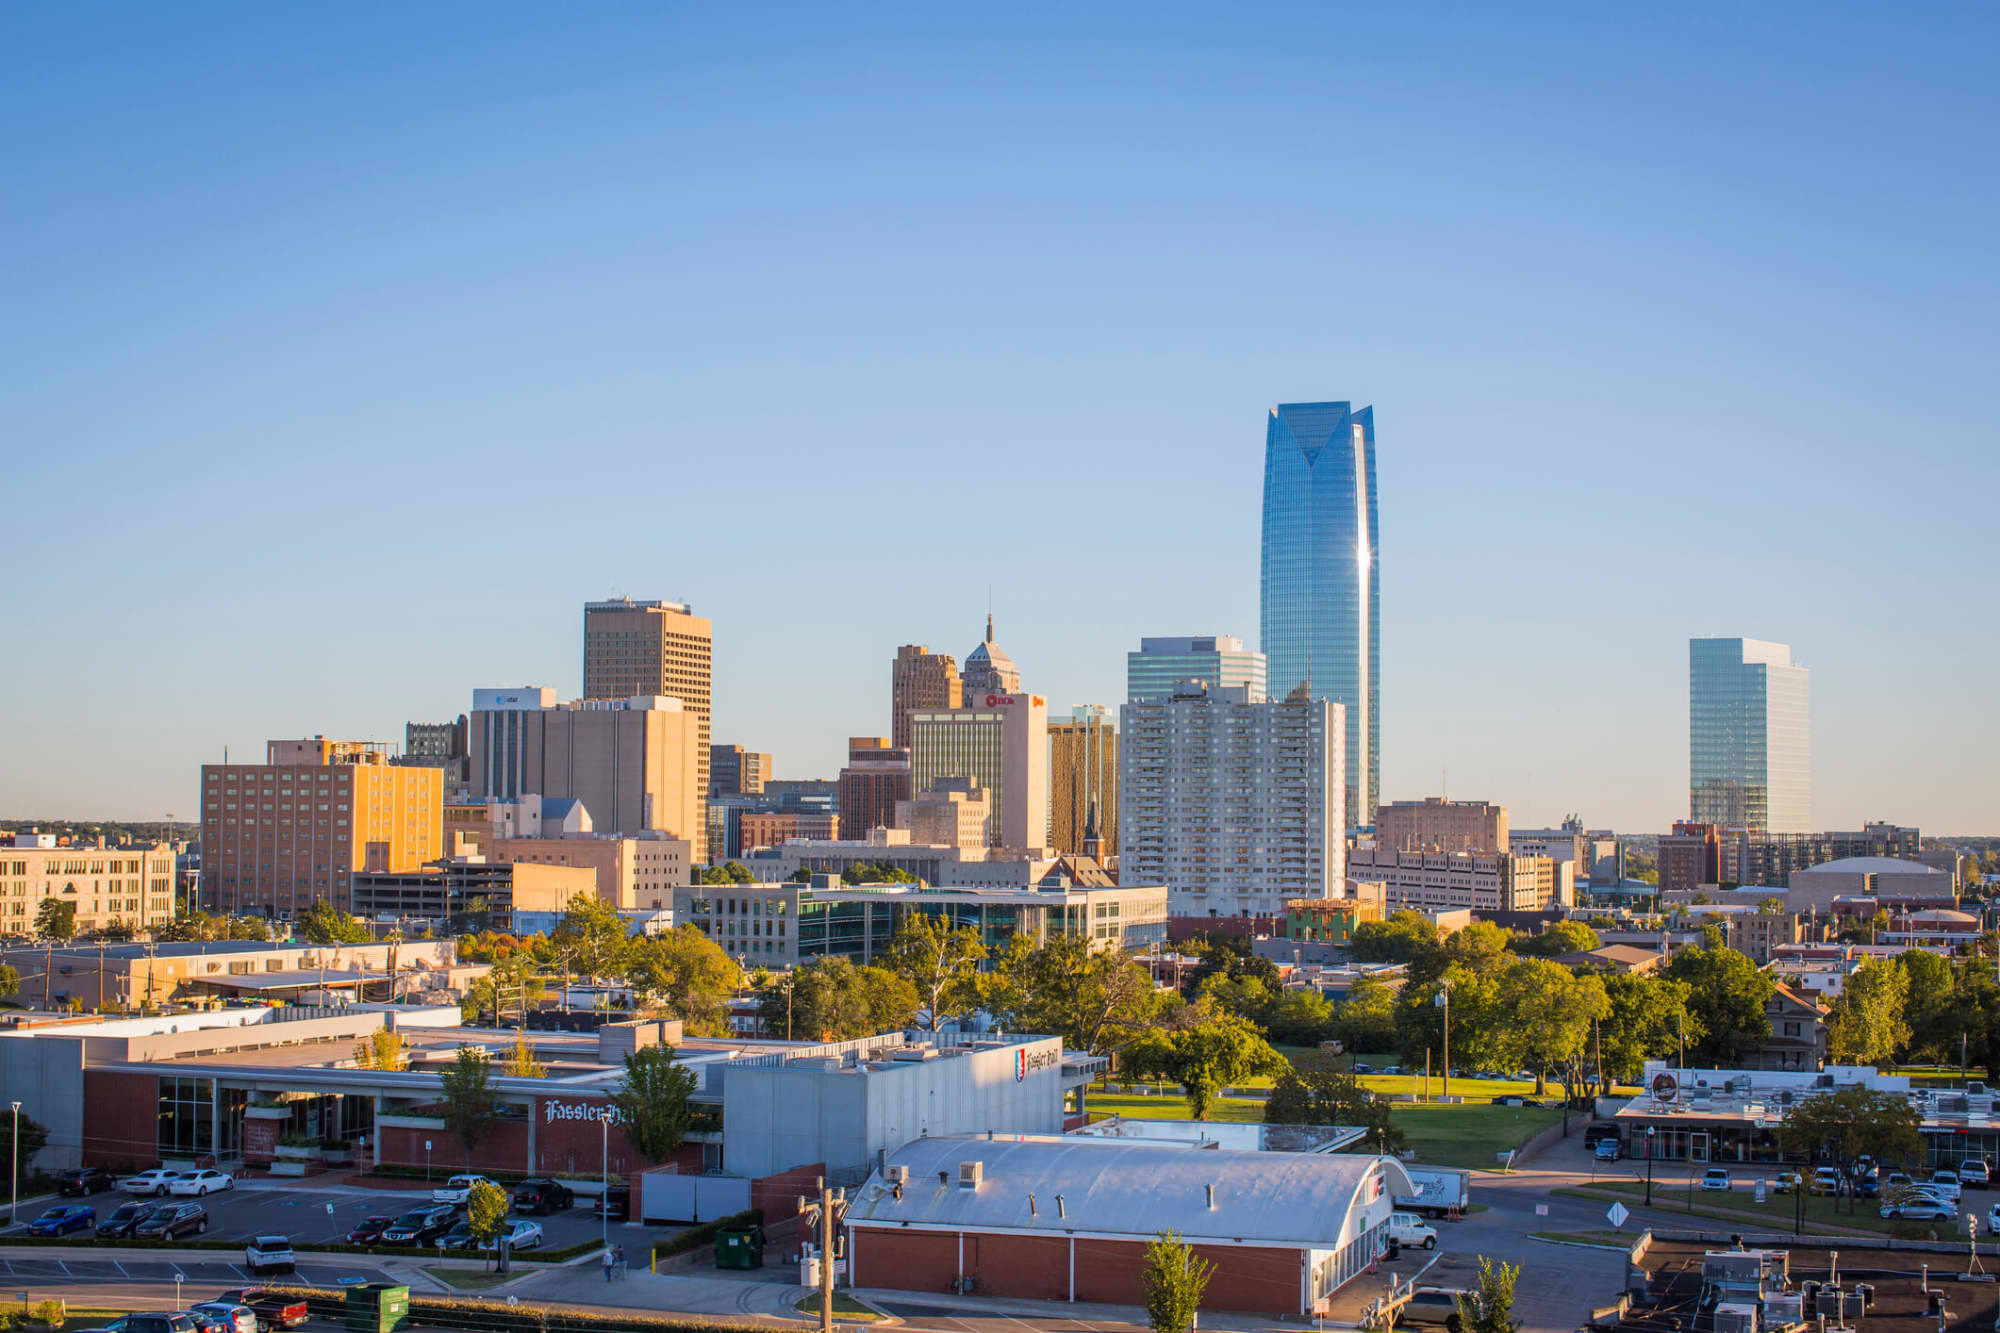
(1618, 1214)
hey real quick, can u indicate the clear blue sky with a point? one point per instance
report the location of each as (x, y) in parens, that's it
(348, 350)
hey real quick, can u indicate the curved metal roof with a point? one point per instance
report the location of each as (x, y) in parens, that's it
(1113, 1187)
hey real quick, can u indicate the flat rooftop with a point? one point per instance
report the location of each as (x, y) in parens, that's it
(1899, 1304)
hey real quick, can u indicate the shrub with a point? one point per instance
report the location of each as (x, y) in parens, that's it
(697, 1236)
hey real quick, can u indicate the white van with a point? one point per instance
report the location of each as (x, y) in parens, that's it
(1409, 1229)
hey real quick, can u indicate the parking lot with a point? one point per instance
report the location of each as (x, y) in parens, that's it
(319, 1216)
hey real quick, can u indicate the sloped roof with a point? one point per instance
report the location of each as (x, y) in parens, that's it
(1107, 1186)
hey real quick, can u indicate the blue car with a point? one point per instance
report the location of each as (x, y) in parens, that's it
(62, 1221)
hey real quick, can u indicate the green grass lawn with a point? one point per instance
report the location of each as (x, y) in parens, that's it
(469, 1279)
(844, 1307)
(1776, 1210)
(1466, 1135)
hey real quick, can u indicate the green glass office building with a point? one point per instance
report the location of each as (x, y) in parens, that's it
(1749, 736)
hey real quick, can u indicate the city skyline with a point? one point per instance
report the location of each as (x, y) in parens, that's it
(316, 325)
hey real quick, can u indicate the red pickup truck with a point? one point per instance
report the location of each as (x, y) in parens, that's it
(273, 1309)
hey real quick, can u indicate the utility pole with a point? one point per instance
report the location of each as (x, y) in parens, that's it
(824, 1215)
(1444, 1002)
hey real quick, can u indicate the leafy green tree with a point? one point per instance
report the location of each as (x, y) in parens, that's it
(1866, 1026)
(245, 928)
(1229, 956)
(876, 872)
(34, 1138)
(522, 1062)
(1300, 1016)
(833, 1000)
(1932, 1009)
(687, 972)
(1366, 1019)
(590, 938)
(1477, 1038)
(652, 1102)
(1175, 1278)
(1546, 1012)
(10, 980)
(326, 924)
(1644, 1020)
(941, 963)
(1489, 1306)
(1852, 1122)
(1726, 994)
(56, 920)
(732, 872)
(1096, 1000)
(485, 1212)
(381, 1049)
(513, 983)
(1315, 1091)
(1217, 1050)
(470, 1104)
(115, 931)
(1397, 940)
(1559, 938)
(1772, 906)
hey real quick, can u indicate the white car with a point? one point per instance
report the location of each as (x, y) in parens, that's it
(1409, 1229)
(270, 1254)
(155, 1182)
(458, 1189)
(1973, 1173)
(1715, 1179)
(521, 1235)
(1944, 1184)
(200, 1183)
(1993, 1220)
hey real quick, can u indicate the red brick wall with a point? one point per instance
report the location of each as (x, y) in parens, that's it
(577, 1147)
(504, 1149)
(121, 1118)
(779, 1195)
(1036, 1267)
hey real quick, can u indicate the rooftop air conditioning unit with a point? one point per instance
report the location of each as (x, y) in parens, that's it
(970, 1174)
(896, 1173)
(1735, 1317)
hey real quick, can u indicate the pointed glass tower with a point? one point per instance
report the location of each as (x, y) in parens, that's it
(1321, 603)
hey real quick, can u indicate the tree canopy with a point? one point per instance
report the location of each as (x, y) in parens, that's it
(1097, 1000)
(941, 963)
(652, 1102)
(325, 924)
(1726, 994)
(1852, 1122)
(1315, 1091)
(470, 1104)
(688, 973)
(1207, 1053)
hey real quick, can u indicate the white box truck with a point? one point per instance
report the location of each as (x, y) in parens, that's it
(1441, 1192)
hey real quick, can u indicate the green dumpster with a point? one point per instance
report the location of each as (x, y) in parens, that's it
(377, 1307)
(739, 1247)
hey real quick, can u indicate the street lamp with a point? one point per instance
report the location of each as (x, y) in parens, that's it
(604, 1176)
(1649, 1166)
(14, 1187)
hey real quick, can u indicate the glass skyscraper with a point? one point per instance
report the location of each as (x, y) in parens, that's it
(1749, 736)
(1214, 659)
(1321, 593)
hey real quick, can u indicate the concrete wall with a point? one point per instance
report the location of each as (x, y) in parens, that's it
(45, 1073)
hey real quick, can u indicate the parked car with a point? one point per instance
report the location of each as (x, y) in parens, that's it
(1409, 1229)
(1993, 1221)
(202, 1183)
(1945, 1181)
(270, 1254)
(239, 1318)
(273, 1310)
(1896, 1178)
(1974, 1174)
(150, 1323)
(82, 1180)
(1396, 1070)
(124, 1218)
(1788, 1182)
(207, 1321)
(155, 1182)
(521, 1235)
(63, 1219)
(615, 1203)
(540, 1194)
(1825, 1180)
(1867, 1187)
(1912, 1202)
(368, 1231)
(1608, 1150)
(457, 1189)
(1715, 1178)
(1433, 1305)
(172, 1221)
(420, 1226)
(1359, 1068)
(458, 1238)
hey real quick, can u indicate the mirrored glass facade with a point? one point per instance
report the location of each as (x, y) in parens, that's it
(1321, 575)
(1749, 736)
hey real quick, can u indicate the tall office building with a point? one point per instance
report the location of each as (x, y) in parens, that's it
(1083, 781)
(1749, 736)
(735, 771)
(877, 776)
(642, 649)
(988, 669)
(920, 678)
(1321, 562)
(1235, 806)
(279, 836)
(1437, 825)
(1001, 742)
(1213, 659)
(634, 763)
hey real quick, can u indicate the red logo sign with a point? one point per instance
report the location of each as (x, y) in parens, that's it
(998, 700)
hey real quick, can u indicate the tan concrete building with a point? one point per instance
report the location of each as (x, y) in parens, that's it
(447, 887)
(633, 648)
(774, 828)
(735, 771)
(1083, 780)
(634, 763)
(1437, 825)
(953, 813)
(129, 884)
(128, 976)
(1428, 881)
(877, 776)
(280, 836)
(630, 874)
(920, 679)
(1000, 741)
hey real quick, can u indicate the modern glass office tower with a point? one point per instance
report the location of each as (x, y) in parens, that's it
(1321, 599)
(1749, 736)
(1214, 659)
